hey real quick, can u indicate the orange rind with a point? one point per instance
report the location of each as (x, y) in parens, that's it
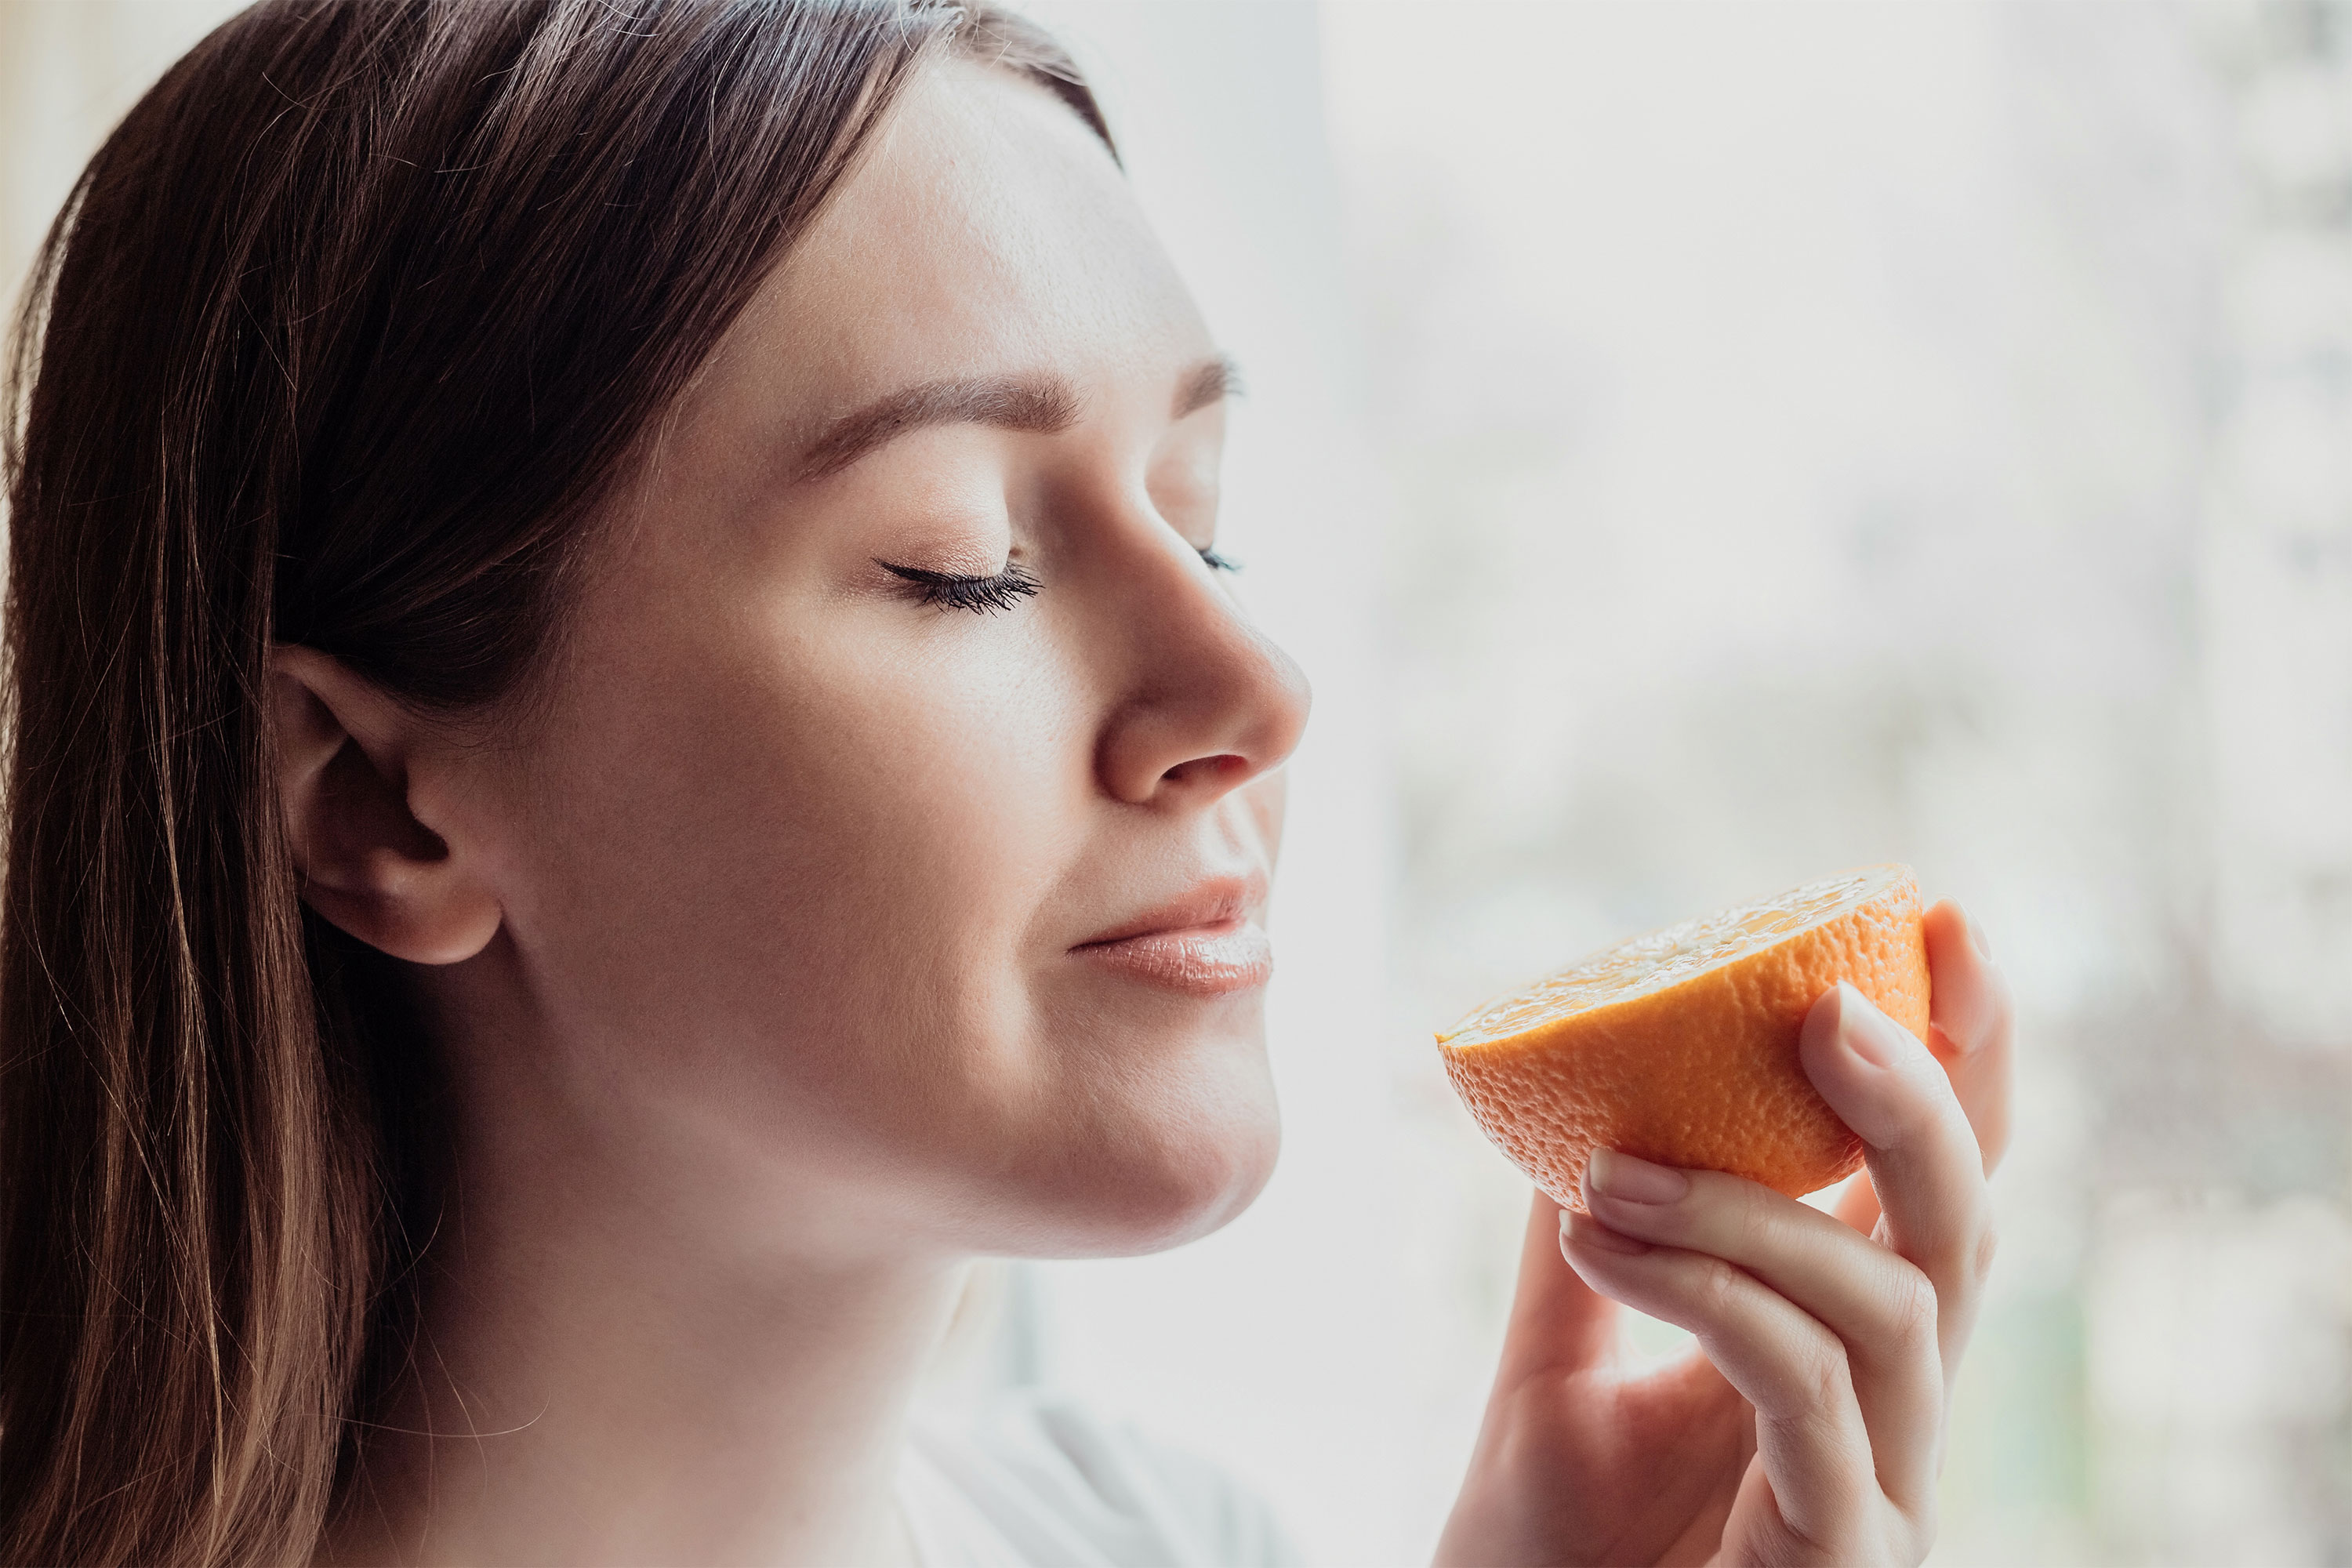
(1680, 1047)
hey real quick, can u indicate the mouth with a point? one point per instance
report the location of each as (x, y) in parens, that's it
(1207, 943)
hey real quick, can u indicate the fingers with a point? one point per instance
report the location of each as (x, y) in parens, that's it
(1972, 1030)
(1557, 1322)
(1809, 1427)
(1971, 1023)
(1880, 1308)
(1923, 1154)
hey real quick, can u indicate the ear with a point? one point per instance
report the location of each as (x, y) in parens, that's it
(365, 845)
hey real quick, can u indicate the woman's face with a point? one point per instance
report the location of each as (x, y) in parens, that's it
(813, 875)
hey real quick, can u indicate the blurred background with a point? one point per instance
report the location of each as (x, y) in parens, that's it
(1697, 447)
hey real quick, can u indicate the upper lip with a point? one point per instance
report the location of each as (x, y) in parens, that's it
(1214, 901)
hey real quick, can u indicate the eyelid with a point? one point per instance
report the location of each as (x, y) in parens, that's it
(961, 591)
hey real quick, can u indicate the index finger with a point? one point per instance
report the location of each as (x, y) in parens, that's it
(1924, 1158)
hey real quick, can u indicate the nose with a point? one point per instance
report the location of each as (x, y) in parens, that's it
(1206, 702)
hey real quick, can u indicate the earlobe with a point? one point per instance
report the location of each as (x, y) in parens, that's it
(346, 757)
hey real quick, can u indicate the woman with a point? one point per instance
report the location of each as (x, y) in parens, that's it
(627, 749)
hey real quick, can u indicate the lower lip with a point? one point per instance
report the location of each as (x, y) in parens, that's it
(1207, 960)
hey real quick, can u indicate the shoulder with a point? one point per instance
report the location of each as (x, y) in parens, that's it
(1060, 1482)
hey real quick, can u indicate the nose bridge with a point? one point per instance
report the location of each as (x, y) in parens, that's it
(1207, 702)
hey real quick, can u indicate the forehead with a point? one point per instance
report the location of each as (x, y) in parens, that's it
(985, 230)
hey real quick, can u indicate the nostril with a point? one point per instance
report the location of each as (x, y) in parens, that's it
(1207, 770)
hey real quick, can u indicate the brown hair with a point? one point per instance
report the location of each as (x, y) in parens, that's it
(342, 339)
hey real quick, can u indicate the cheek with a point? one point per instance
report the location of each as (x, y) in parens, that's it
(793, 902)
(779, 857)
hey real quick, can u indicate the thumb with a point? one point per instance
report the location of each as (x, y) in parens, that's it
(1559, 1323)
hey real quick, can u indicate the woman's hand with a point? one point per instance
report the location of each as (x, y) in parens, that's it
(1807, 1425)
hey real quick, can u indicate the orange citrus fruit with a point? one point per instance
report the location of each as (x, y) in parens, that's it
(1681, 1046)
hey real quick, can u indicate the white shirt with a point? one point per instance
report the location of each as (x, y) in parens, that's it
(1040, 1482)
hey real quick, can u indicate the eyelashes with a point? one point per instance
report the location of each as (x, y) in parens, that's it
(954, 591)
(998, 591)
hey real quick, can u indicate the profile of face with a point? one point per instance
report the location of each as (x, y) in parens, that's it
(884, 859)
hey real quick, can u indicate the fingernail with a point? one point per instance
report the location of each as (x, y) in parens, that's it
(1977, 938)
(1633, 1181)
(1583, 1230)
(1859, 1029)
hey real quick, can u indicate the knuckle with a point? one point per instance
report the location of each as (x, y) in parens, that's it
(1982, 1256)
(1748, 1210)
(1918, 1112)
(1913, 1309)
(1718, 1287)
(1824, 1377)
(1964, 1261)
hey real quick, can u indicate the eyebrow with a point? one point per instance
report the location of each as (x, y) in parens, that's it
(1042, 404)
(1211, 381)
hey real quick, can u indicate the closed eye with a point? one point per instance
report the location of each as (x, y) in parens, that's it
(957, 591)
(1000, 590)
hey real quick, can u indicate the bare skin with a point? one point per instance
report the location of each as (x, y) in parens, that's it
(759, 957)
(812, 936)
(1807, 1424)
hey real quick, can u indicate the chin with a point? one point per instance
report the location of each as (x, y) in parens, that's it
(1184, 1200)
(1161, 1182)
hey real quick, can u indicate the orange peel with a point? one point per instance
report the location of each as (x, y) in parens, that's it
(1680, 1047)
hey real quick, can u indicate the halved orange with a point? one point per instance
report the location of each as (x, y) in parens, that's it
(1681, 1046)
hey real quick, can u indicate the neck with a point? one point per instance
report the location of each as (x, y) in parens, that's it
(603, 1373)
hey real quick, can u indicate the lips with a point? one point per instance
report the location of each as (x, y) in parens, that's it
(1206, 942)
